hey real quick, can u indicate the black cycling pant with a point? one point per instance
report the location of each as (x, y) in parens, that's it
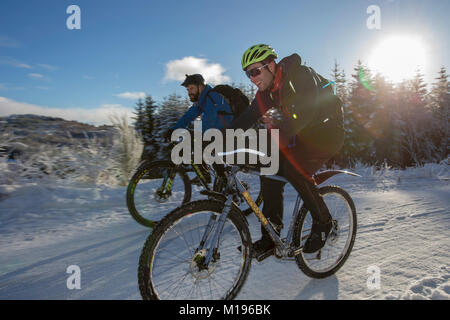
(297, 165)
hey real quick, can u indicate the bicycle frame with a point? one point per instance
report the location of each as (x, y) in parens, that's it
(168, 179)
(284, 247)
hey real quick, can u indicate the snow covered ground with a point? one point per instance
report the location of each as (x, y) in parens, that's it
(403, 223)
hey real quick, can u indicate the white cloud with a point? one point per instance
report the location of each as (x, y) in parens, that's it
(48, 67)
(35, 76)
(96, 116)
(14, 63)
(176, 70)
(131, 95)
(19, 64)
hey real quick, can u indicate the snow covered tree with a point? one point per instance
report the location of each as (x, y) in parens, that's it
(415, 122)
(149, 129)
(171, 109)
(383, 124)
(440, 105)
(139, 119)
(338, 76)
(358, 144)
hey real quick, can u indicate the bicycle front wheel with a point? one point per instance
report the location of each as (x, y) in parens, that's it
(155, 189)
(339, 244)
(170, 263)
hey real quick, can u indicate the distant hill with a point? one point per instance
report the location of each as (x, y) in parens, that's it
(19, 132)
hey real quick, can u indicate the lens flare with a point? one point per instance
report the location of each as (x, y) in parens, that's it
(398, 57)
(364, 79)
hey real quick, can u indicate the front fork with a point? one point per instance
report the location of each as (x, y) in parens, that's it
(168, 179)
(213, 243)
(166, 186)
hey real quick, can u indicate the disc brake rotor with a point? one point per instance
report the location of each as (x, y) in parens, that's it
(161, 196)
(197, 269)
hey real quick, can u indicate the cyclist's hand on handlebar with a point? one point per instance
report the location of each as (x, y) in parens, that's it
(168, 135)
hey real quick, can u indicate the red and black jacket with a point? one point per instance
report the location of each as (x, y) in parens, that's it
(295, 94)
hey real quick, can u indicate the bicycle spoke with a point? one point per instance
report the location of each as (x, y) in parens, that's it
(187, 244)
(155, 190)
(212, 281)
(179, 284)
(176, 283)
(339, 239)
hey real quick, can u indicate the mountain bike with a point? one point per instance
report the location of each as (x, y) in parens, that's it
(203, 249)
(158, 187)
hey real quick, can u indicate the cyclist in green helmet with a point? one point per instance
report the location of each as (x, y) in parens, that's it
(311, 132)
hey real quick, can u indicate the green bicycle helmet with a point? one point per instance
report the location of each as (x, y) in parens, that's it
(257, 53)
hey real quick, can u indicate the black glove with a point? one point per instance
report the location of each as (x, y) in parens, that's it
(168, 135)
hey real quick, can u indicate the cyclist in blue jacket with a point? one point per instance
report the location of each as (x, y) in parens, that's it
(215, 111)
(213, 108)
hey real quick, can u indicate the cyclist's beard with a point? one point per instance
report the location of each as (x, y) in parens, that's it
(194, 97)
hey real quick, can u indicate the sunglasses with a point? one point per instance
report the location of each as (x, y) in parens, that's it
(255, 72)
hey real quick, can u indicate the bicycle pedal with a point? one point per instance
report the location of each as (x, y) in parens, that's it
(264, 255)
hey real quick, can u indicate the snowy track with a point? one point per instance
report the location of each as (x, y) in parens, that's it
(402, 229)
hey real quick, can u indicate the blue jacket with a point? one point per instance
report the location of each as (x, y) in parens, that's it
(209, 111)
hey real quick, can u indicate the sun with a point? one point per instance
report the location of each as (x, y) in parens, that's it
(398, 57)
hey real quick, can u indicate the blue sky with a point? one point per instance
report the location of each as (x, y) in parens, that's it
(127, 47)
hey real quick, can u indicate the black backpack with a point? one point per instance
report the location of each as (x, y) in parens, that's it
(235, 98)
(331, 104)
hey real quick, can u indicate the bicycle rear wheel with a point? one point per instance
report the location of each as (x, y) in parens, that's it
(169, 265)
(339, 244)
(148, 196)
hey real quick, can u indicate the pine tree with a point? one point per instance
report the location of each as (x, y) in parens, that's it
(358, 144)
(382, 127)
(139, 120)
(338, 77)
(415, 122)
(148, 129)
(440, 105)
(340, 81)
(172, 108)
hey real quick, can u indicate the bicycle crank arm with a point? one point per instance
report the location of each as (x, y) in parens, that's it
(317, 257)
(297, 252)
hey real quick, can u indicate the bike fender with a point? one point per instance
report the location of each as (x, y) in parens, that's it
(325, 175)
